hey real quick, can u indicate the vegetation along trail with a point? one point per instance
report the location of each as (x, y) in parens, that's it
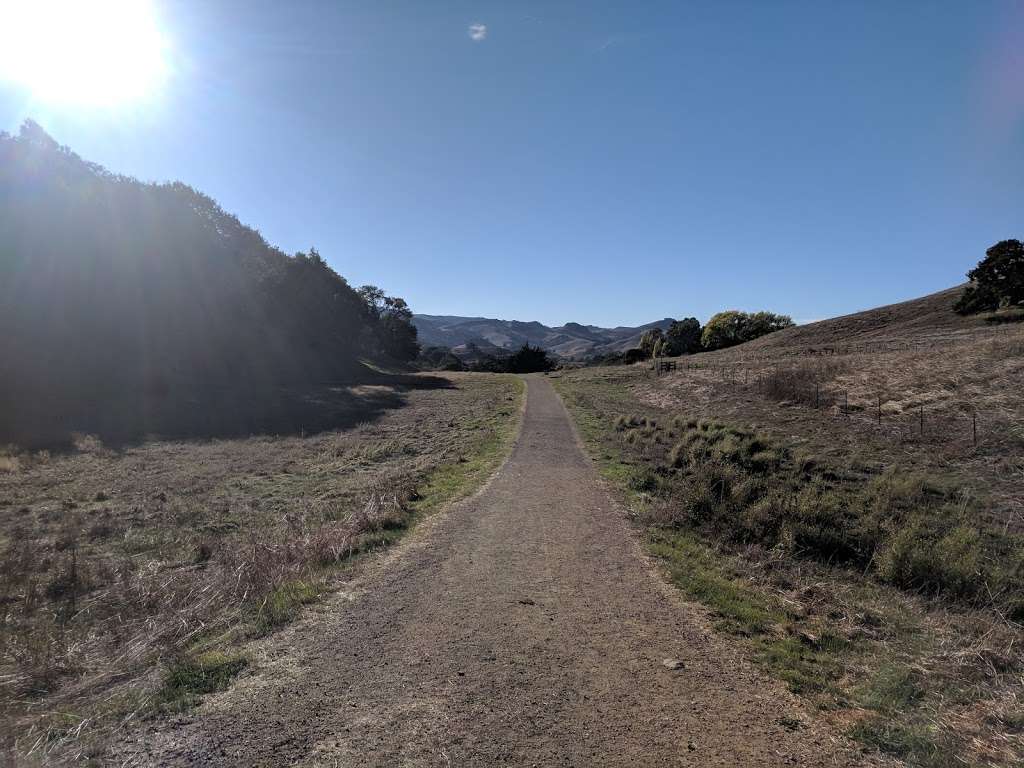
(524, 627)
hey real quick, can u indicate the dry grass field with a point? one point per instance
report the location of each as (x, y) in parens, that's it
(130, 576)
(860, 387)
(787, 485)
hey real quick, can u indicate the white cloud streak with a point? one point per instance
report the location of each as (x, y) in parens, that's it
(477, 32)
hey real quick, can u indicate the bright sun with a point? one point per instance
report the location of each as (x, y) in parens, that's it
(90, 52)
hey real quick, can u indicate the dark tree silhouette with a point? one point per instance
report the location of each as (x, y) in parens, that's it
(115, 292)
(683, 337)
(529, 359)
(391, 324)
(997, 281)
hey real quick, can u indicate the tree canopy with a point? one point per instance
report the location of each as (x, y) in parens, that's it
(651, 341)
(683, 337)
(109, 285)
(732, 327)
(997, 281)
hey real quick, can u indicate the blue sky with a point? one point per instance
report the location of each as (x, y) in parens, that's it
(606, 163)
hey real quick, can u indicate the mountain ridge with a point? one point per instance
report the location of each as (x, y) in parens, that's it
(570, 341)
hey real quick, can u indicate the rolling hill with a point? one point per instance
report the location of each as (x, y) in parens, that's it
(571, 341)
(926, 320)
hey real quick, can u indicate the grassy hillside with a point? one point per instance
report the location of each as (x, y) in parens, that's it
(927, 320)
(129, 308)
(822, 491)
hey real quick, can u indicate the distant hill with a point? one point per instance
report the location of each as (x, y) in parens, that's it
(571, 341)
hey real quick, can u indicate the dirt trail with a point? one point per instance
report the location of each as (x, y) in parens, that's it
(524, 627)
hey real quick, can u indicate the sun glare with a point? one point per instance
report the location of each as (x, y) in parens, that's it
(91, 52)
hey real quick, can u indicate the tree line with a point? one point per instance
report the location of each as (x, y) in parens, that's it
(526, 359)
(109, 286)
(725, 329)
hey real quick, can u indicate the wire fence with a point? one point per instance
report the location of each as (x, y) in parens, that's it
(974, 336)
(959, 421)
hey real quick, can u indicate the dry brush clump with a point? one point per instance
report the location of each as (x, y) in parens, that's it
(879, 594)
(906, 528)
(75, 623)
(950, 410)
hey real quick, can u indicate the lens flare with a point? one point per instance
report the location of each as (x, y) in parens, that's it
(100, 52)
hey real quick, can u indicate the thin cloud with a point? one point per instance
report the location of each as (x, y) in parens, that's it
(477, 32)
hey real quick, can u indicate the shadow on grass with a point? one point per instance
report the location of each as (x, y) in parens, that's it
(245, 409)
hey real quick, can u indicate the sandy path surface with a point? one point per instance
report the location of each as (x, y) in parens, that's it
(523, 627)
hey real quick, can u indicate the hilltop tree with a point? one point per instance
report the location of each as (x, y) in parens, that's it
(683, 337)
(651, 341)
(762, 323)
(732, 327)
(997, 281)
(724, 329)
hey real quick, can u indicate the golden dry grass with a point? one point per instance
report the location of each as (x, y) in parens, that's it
(833, 633)
(815, 393)
(872, 405)
(113, 560)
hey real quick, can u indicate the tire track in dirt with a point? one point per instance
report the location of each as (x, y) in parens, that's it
(523, 627)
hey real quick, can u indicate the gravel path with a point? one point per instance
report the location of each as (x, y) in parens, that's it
(523, 627)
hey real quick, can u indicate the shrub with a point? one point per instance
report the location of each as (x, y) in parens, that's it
(643, 481)
(761, 520)
(917, 558)
(821, 527)
(765, 461)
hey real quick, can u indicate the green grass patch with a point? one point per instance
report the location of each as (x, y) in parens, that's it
(807, 663)
(284, 603)
(893, 689)
(186, 680)
(916, 744)
(454, 481)
(695, 569)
